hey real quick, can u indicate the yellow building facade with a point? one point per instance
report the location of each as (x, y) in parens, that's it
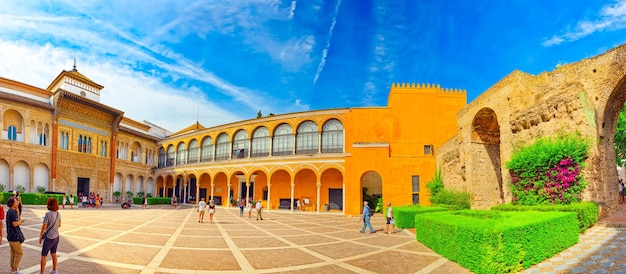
(62, 139)
(328, 160)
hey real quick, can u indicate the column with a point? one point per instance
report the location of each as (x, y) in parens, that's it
(212, 188)
(317, 204)
(293, 185)
(269, 193)
(228, 196)
(247, 189)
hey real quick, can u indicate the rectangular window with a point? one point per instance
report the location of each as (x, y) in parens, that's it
(416, 183)
(428, 149)
(416, 199)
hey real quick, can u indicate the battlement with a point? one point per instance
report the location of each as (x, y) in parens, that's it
(425, 87)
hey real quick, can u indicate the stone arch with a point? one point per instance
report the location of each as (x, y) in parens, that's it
(280, 180)
(485, 150)
(305, 187)
(21, 176)
(371, 185)
(331, 189)
(4, 174)
(41, 174)
(606, 149)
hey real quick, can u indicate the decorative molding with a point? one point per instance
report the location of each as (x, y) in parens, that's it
(84, 127)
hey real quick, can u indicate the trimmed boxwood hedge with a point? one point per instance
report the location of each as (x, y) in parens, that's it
(404, 216)
(32, 198)
(586, 212)
(497, 241)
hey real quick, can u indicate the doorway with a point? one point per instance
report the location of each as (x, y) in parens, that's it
(335, 198)
(244, 189)
(83, 186)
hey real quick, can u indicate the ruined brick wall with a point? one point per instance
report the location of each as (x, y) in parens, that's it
(583, 97)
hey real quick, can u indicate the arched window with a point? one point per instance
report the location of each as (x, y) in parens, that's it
(207, 149)
(332, 137)
(80, 143)
(260, 142)
(12, 133)
(222, 147)
(307, 138)
(282, 142)
(193, 151)
(103, 148)
(161, 157)
(181, 154)
(171, 155)
(240, 145)
(88, 145)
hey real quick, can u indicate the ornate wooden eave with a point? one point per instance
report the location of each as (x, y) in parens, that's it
(66, 95)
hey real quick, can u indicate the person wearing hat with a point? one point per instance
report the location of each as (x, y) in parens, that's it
(365, 217)
(259, 209)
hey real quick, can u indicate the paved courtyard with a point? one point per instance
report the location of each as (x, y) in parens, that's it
(163, 240)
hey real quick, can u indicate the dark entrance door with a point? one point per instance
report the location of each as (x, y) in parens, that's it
(203, 194)
(244, 188)
(335, 198)
(83, 186)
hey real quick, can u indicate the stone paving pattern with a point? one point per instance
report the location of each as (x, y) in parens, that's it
(163, 240)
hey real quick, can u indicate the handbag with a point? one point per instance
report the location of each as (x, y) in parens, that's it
(20, 236)
(46, 233)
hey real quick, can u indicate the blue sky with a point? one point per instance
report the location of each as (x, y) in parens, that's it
(172, 62)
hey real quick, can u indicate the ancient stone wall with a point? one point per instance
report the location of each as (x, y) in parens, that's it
(584, 97)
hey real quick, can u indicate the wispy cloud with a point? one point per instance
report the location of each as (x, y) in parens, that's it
(292, 11)
(320, 67)
(610, 17)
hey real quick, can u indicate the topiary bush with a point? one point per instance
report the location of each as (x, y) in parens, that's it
(452, 199)
(404, 216)
(497, 241)
(549, 171)
(586, 212)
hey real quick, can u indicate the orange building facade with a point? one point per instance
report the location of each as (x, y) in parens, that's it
(326, 160)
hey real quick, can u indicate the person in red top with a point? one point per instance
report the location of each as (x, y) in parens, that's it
(1, 219)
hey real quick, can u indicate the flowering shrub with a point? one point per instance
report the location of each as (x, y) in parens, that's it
(548, 171)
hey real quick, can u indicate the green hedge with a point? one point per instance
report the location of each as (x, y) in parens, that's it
(404, 216)
(586, 212)
(491, 241)
(159, 201)
(32, 198)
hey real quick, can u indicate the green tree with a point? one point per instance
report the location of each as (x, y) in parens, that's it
(620, 138)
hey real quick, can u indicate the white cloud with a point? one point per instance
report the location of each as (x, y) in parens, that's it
(322, 63)
(611, 17)
(292, 11)
(140, 96)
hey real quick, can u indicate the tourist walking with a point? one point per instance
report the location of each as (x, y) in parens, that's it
(390, 220)
(201, 210)
(174, 201)
(211, 210)
(249, 207)
(64, 201)
(367, 213)
(620, 185)
(259, 210)
(14, 234)
(72, 201)
(242, 204)
(50, 235)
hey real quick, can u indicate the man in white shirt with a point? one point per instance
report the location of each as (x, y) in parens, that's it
(201, 209)
(259, 209)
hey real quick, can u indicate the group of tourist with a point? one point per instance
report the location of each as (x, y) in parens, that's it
(248, 205)
(367, 214)
(48, 236)
(202, 206)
